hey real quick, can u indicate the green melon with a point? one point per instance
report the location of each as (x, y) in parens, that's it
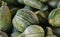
(36, 4)
(54, 17)
(24, 18)
(5, 17)
(34, 31)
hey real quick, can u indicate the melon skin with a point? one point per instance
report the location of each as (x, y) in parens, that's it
(54, 17)
(33, 31)
(5, 17)
(36, 4)
(24, 18)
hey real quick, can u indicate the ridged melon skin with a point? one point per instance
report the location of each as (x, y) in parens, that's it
(17, 24)
(5, 17)
(24, 18)
(28, 15)
(34, 31)
(36, 4)
(54, 17)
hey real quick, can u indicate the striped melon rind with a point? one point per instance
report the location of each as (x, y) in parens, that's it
(28, 15)
(36, 4)
(34, 31)
(54, 18)
(20, 25)
(24, 18)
